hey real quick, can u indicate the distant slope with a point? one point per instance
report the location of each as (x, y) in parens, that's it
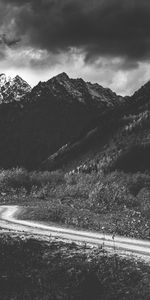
(67, 121)
(119, 140)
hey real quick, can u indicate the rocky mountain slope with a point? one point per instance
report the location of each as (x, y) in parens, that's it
(119, 140)
(54, 113)
(12, 89)
(65, 120)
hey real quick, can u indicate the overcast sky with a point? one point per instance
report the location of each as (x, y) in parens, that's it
(105, 41)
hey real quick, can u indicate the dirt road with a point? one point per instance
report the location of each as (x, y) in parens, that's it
(9, 219)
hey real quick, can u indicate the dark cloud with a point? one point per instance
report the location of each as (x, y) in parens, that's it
(113, 28)
(9, 41)
(2, 54)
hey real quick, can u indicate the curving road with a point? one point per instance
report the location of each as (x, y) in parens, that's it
(9, 220)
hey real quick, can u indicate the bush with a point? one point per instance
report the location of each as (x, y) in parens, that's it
(43, 178)
(15, 179)
(20, 178)
(144, 201)
(111, 193)
(137, 181)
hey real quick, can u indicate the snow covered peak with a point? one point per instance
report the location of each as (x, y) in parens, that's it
(4, 79)
(12, 89)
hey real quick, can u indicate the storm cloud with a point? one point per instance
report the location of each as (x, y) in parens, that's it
(100, 28)
(107, 41)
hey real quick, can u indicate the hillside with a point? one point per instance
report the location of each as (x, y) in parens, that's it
(54, 113)
(71, 123)
(118, 140)
(102, 155)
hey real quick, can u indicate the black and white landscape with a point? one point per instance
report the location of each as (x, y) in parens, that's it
(74, 150)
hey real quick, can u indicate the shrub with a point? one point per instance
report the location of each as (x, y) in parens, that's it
(43, 178)
(20, 178)
(15, 179)
(111, 193)
(137, 181)
(144, 201)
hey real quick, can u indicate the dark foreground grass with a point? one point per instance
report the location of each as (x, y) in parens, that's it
(32, 269)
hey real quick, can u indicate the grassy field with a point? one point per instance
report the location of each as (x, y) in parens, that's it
(37, 270)
(117, 202)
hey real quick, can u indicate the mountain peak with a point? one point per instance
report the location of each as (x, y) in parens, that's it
(62, 76)
(12, 89)
(17, 77)
(76, 90)
(19, 80)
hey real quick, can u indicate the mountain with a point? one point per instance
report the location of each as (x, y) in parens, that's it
(119, 140)
(65, 121)
(12, 89)
(49, 116)
(67, 90)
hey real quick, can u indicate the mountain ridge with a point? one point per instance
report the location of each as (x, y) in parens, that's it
(62, 85)
(61, 111)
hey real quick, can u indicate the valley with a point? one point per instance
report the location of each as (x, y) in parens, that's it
(74, 156)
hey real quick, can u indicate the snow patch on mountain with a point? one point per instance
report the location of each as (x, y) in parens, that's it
(12, 89)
